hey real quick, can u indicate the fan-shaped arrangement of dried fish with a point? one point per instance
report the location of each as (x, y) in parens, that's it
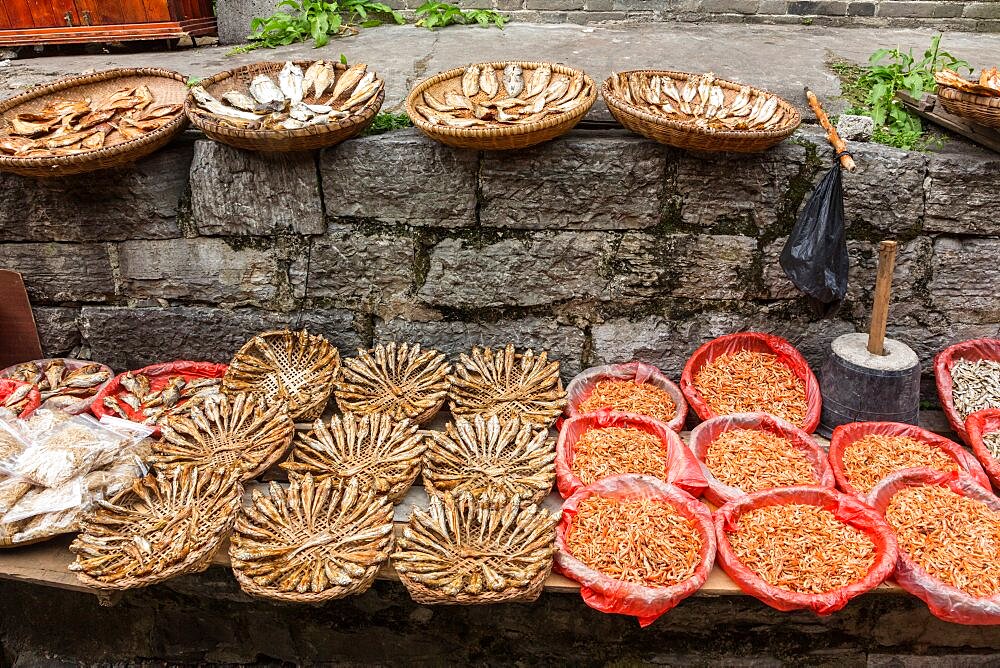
(161, 527)
(153, 394)
(227, 433)
(507, 384)
(480, 456)
(466, 550)
(402, 381)
(375, 451)
(294, 367)
(293, 99)
(311, 542)
(62, 378)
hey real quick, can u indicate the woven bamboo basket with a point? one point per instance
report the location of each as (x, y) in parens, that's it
(293, 367)
(457, 552)
(687, 135)
(402, 381)
(227, 433)
(374, 450)
(277, 141)
(173, 522)
(311, 542)
(982, 109)
(499, 137)
(480, 456)
(167, 88)
(507, 384)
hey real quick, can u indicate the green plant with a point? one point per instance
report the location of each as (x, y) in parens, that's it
(439, 14)
(388, 121)
(316, 20)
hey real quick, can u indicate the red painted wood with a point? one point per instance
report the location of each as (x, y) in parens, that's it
(158, 10)
(19, 13)
(5, 23)
(18, 336)
(133, 11)
(115, 33)
(43, 14)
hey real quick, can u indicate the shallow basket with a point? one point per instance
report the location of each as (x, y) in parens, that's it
(277, 141)
(167, 88)
(499, 137)
(84, 402)
(981, 109)
(687, 135)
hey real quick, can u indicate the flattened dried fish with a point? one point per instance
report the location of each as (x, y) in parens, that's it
(470, 80)
(290, 81)
(513, 81)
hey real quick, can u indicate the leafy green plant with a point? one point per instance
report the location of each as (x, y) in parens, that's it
(388, 121)
(439, 14)
(317, 20)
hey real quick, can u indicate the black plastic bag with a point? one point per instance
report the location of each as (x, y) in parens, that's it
(815, 257)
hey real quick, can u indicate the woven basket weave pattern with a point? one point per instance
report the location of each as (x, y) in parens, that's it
(979, 108)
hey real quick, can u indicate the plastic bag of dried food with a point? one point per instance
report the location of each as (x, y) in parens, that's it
(972, 350)
(11, 491)
(758, 342)
(707, 432)
(21, 398)
(845, 508)
(979, 427)
(846, 434)
(44, 500)
(679, 465)
(608, 594)
(944, 600)
(582, 386)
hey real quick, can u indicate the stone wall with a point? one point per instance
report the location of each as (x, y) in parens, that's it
(600, 247)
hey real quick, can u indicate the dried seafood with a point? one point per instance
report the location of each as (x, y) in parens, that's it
(607, 451)
(503, 95)
(54, 378)
(70, 127)
(298, 100)
(701, 101)
(990, 440)
(975, 386)
(468, 550)
(752, 382)
(629, 396)
(227, 433)
(751, 460)
(507, 384)
(20, 397)
(374, 451)
(294, 367)
(988, 83)
(481, 456)
(868, 460)
(312, 541)
(138, 401)
(160, 527)
(401, 381)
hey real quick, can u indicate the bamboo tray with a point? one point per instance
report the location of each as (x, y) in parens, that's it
(167, 88)
(982, 109)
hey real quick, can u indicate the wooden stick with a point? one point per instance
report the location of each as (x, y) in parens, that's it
(846, 161)
(880, 309)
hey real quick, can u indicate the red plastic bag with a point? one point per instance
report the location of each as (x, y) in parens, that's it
(972, 350)
(754, 342)
(605, 593)
(846, 434)
(158, 375)
(977, 425)
(704, 434)
(583, 384)
(945, 601)
(682, 468)
(82, 405)
(8, 387)
(847, 509)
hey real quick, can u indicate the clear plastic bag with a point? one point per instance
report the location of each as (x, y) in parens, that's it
(44, 500)
(580, 388)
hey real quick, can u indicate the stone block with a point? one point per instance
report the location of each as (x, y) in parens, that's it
(861, 9)
(933, 9)
(583, 181)
(56, 273)
(965, 278)
(234, 17)
(236, 192)
(886, 191)
(58, 330)
(963, 191)
(855, 128)
(817, 7)
(773, 7)
(730, 6)
(400, 178)
(137, 202)
(555, 5)
(598, 5)
(982, 10)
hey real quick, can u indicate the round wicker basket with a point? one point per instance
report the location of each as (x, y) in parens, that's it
(167, 88)
(982, 109)
(278, 141)
(689, 136)
(499, 137)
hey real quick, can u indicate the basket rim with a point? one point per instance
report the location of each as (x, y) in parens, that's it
(497, 131)
(630, 109)
(952, 93)
(120, 148)
(368, 110)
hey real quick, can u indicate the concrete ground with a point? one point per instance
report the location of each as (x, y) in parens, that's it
(780, 58)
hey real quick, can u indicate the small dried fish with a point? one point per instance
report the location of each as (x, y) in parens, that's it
(347, 82)
(290, 82)
(489, 83)
(513, 81)
(470, 80)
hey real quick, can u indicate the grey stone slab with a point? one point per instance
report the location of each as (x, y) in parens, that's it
(234, 17)
(400, 177)
(590, 181)
(963, 191)
(886, 191)
(56, 272)
(58, 330)
(965, 278)
(235, 192)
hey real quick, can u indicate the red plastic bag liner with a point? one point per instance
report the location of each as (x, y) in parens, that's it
(846, 434)
(159, 375)
(758, 342)
(704, 434)
(8, 387)
(978, 425)
(581, 387)
(944, 601)
(83, 405)
(846, 508)
(682, 468)
(971, 350)
(607, 594)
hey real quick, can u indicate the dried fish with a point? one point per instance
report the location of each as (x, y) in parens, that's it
(607, 451)
(868, 460)
(513, 81)
(470, 81)
(290, 82)
(489, 82)
(748, 381)
(630, 397)
(975, 386)
(751, 460)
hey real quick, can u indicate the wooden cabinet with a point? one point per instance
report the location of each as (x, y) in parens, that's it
(28, 22)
